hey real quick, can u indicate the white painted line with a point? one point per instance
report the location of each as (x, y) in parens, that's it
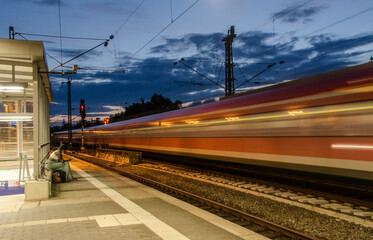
(58, 220)
(31, 223)
(126, 219)
(78, 219)
(107, 221)
(8, 207)
(11, 225)
(102, 221)
(226, 225)
(162, 229)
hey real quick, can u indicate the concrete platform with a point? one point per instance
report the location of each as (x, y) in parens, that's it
(105, 205)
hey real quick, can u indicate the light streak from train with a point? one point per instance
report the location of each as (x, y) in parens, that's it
(192, 122)
(232, 118)
(264, 116)
(366, 147)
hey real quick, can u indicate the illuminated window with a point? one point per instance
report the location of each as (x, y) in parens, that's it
(8, 107)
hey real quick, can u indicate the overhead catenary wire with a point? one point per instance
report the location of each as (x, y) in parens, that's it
(60, 25)
(272, 19)
(168, 25)
(247, 81)
(342, 20)
(129, 17)
(103, 43)
(65, 37)
(44, 52)
(279, 46)
(281, 15)
(243, 76)
(172, 17)
(55, 122)
(321, 29)
(124, 22)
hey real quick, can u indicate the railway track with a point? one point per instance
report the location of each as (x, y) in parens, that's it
(335, 205)
(316, 192)
(252, 222)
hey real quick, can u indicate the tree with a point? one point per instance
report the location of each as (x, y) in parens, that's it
(157, 104)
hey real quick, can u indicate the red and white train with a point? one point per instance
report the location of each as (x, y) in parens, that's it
(322, 124)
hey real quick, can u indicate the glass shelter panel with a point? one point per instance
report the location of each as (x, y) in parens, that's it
(28, 138)
(8, 139)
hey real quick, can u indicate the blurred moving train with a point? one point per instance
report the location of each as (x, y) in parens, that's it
(321, 124)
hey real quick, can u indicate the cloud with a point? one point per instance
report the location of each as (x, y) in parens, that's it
(45, 2)
(105, 112)
(109, 110)
(252, 44)
(71, 53)
(303, 56)
(330, 44)
(298, 13)
(195, 43)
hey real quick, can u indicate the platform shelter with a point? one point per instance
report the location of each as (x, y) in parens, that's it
(25, 94)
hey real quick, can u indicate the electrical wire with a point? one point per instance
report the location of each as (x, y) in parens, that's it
(161, 32)
(67, 37)
(59, 18)
(272, 19)
(318, 30)
(125, 21)
(172, 18)
(103, 43)
(44, 52)
(129, 17)
(241, 72)
(281, 15)
(342, 20)
(53, 123)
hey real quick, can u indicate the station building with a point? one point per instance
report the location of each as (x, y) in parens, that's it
(25, 94)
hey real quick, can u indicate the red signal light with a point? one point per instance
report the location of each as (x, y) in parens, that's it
(82, 108)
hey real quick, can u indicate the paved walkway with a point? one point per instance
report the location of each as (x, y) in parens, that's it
(105, 205)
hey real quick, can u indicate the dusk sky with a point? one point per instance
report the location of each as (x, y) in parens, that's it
(311, 37)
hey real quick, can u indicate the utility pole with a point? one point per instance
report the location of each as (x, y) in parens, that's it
(229, 75)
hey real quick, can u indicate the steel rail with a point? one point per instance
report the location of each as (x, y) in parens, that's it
(293, 187)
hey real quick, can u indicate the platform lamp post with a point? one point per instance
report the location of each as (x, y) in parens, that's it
(82, 114)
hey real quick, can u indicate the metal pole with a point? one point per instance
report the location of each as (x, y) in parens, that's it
(82, 148)
(229, 75)
(69, 123)
(11, 32)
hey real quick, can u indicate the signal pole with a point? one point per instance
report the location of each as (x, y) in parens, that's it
(82, 114)
(229, 75)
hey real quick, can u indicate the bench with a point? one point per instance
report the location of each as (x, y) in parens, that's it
(44, 173)
(41, 187)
